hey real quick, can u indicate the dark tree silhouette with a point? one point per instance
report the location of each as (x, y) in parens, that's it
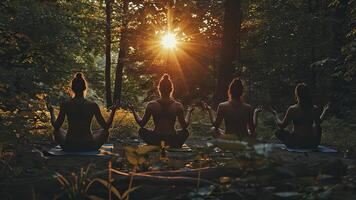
(108, 53)
(122, 55)
(230, 48)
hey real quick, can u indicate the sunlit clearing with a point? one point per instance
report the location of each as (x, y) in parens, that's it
(169, 41)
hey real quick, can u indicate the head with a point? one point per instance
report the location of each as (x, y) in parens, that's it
(235, 89)
(165, 86)
(79, 85)
(303, 96)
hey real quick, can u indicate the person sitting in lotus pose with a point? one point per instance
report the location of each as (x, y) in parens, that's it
(306, 119)
(164, 111)
(239, 117)
(79, 112)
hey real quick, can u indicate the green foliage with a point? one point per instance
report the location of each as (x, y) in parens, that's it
(136, 156)
(42, 42)
(78, 186)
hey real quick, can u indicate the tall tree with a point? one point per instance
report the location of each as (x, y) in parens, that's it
(122, 55)
(340, 19)
(230, 48)
(108, 53)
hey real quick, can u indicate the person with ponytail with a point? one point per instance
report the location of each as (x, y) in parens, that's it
(306, 119)
(79, 112)
(164, 111)
(239, 117)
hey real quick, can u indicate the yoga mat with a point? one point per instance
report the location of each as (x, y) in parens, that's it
(104, 150)
(320, 148)
(184, 148)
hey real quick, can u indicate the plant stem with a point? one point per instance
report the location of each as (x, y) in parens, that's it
(109, 177)
(131, 180)
(199, 174)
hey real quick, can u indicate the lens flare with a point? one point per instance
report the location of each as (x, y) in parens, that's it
(169, 41)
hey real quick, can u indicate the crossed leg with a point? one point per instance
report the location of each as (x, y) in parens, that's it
(294, 141)
(99, 138)
(172, 140)
(60, 136)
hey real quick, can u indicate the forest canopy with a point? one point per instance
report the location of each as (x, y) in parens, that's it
(44, 42)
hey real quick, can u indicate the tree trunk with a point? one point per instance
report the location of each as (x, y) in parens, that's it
(339, 27)
(108, 53)
(230, 49)
(121, 56)
(311, 10)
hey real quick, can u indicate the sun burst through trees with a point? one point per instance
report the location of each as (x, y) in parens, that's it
(169, 41)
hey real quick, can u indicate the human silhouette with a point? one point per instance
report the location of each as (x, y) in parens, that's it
(80, 112)
(164, 111)
(306, 119)
(239, 117)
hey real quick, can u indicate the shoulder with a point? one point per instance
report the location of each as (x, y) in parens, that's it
(222, 107)
(178, 105)
(65, 104)
(224, 104)
(293, 108)
(152, 104)
(247, 106)
(91, 104)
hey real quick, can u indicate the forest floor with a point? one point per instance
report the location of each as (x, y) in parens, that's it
(207, 172)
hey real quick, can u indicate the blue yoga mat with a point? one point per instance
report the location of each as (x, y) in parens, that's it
(104, 150)
(320, 148)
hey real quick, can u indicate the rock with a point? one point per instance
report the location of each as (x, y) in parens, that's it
(282, 172)
(327, 179)
(299, 169)
(287, 186)
(269, 189)
(335, 168)
(312, 189)
(287, 195)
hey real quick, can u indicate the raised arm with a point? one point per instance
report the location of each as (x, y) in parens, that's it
(146, 117)
(252, 122)
(219, 117)
(100, 119)
(286, 120)
(56, 123)
(325, 109)
(184, 122)
(189, 114)
(215, 121)
(255, 115)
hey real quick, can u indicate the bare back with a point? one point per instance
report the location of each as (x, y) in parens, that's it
(79, 112)
(238, 117)
(164, 115)
(303, 119)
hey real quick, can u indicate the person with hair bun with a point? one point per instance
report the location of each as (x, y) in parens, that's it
(239, 117)
(306, 120)
(164, 111)
(80, 112)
